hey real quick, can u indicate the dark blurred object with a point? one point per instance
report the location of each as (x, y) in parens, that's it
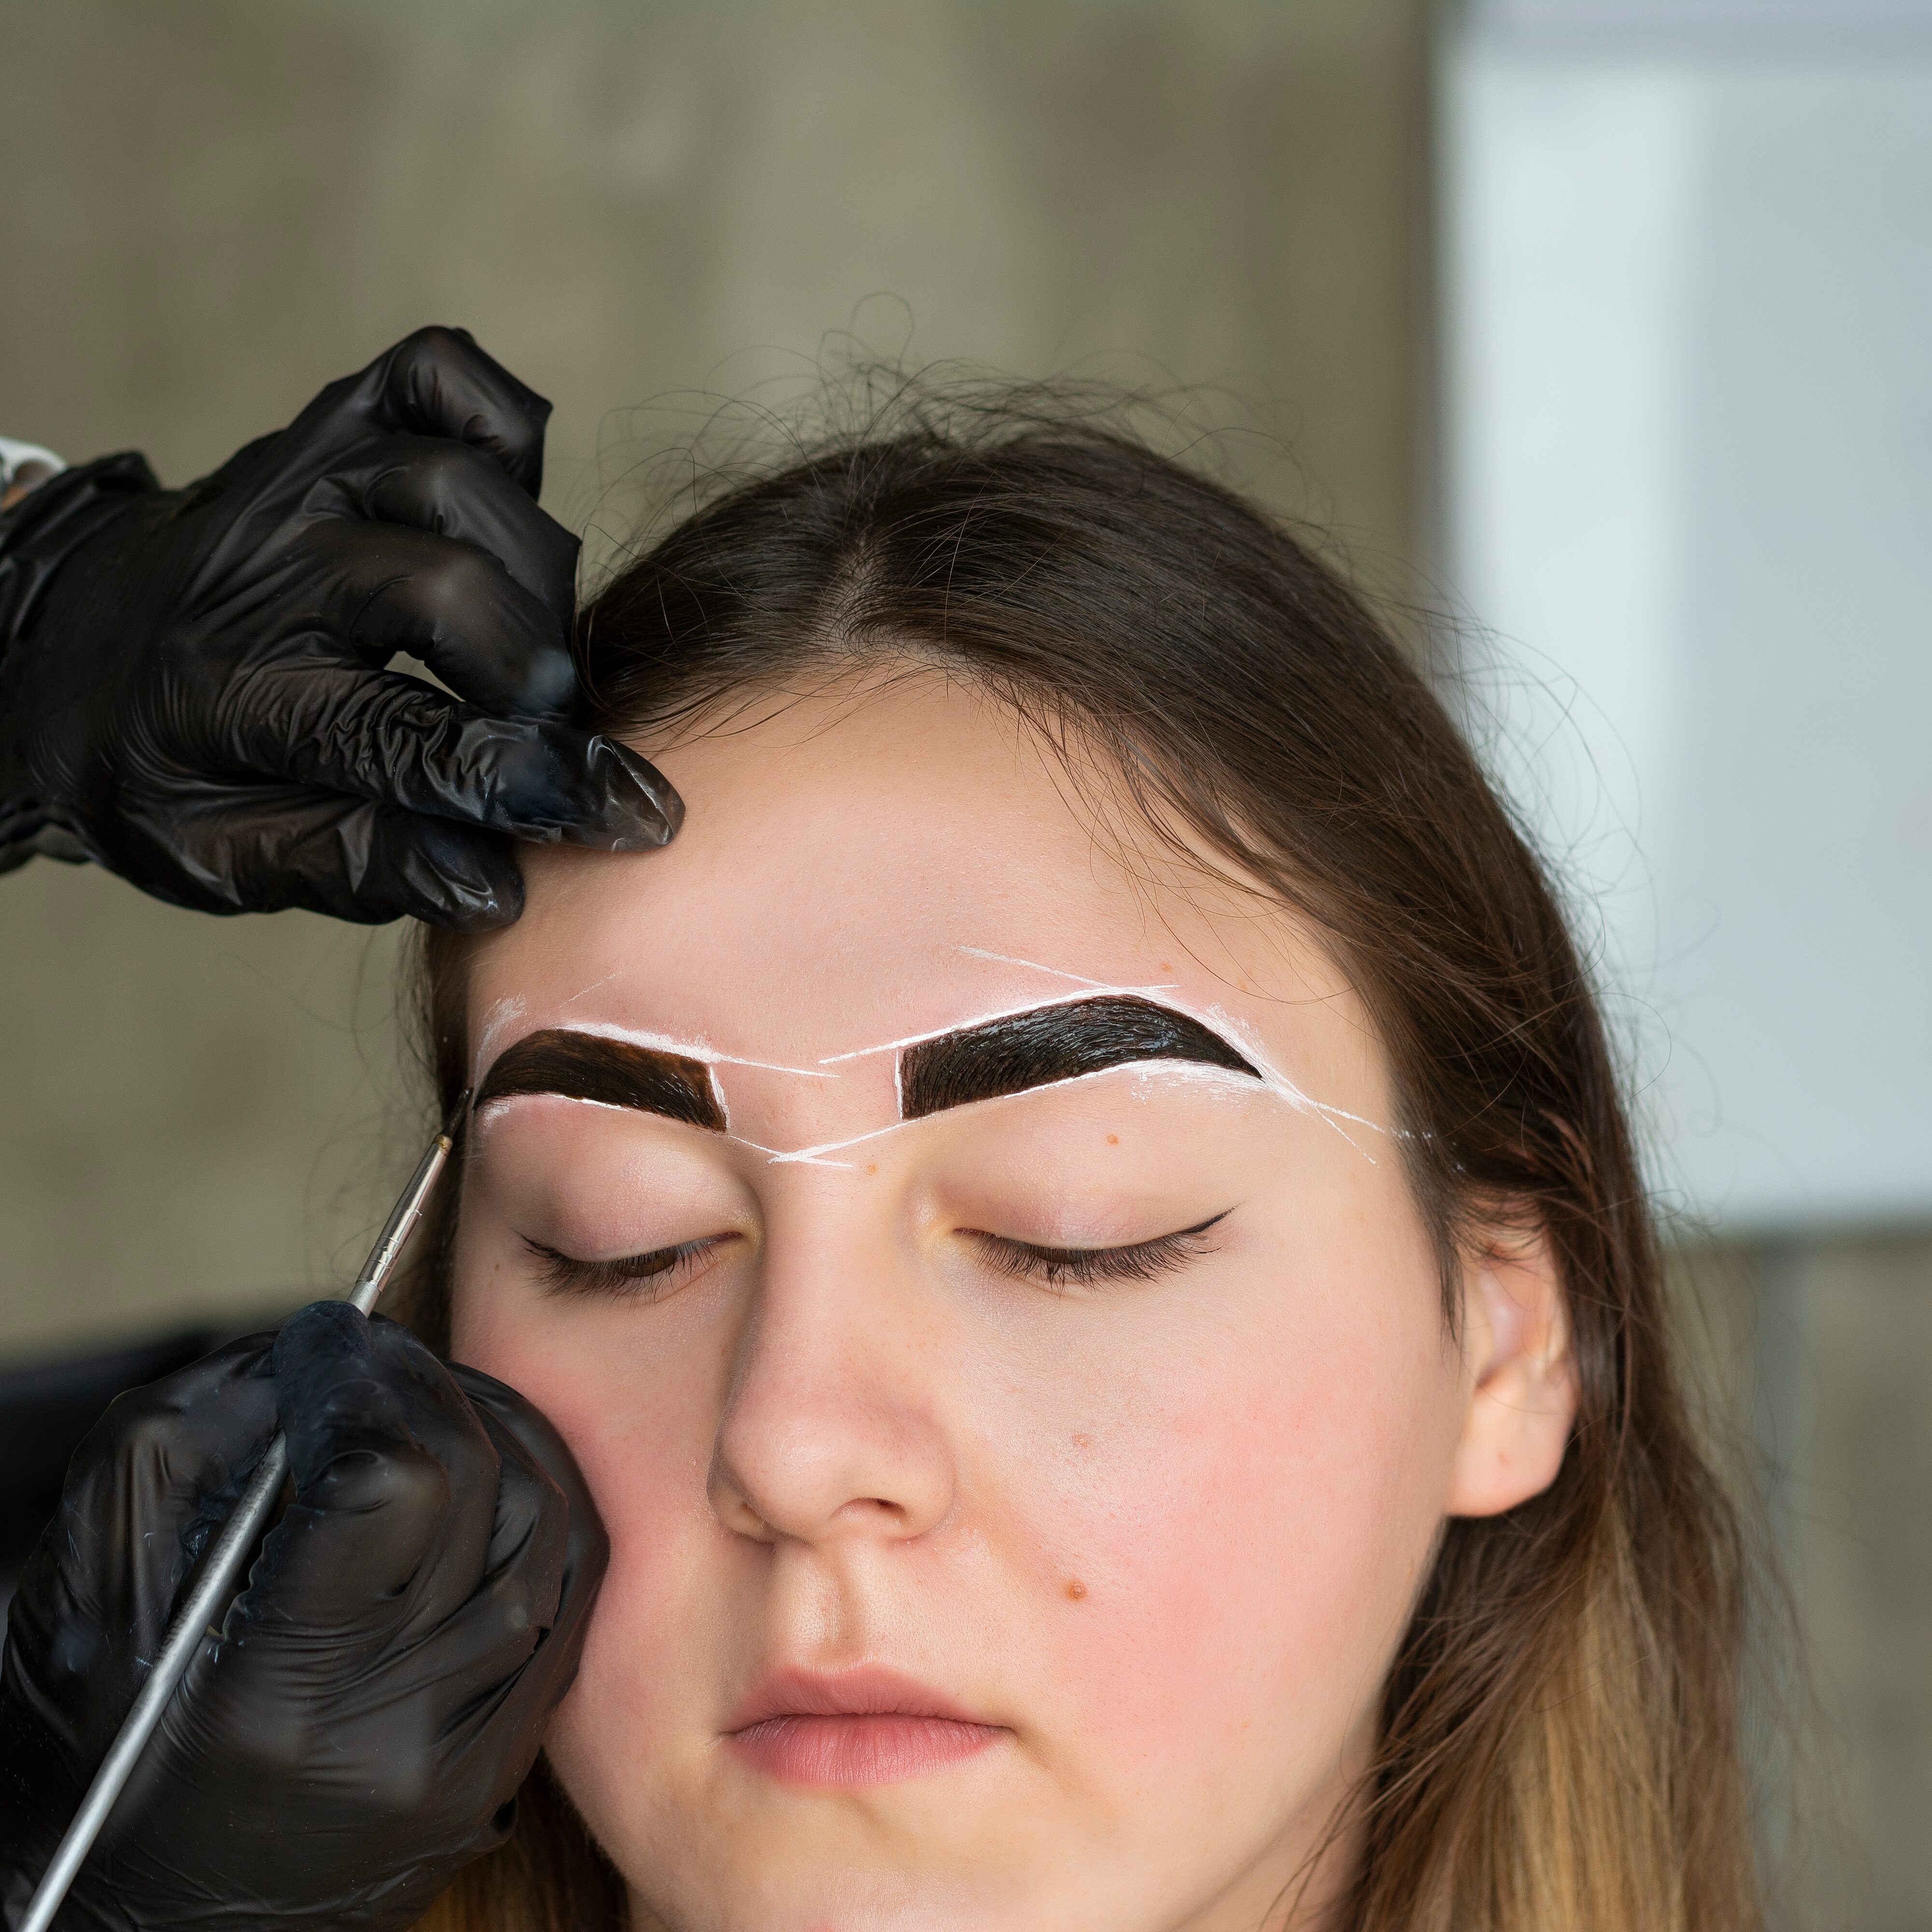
(193, 684)
(46, 1408)
(356, 1725)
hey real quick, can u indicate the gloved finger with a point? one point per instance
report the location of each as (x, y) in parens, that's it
(532, 1530)
(438, 382)
(587, 1552)
(434, 382)
(455, 490)
(395, 1482)
(382, 736)
(274, 847)
(546, 1675)
(487, 1640)
(386, 588)
(146, 1492)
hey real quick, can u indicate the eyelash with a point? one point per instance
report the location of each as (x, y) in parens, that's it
(1083, 1267)
(641, 1277)
(645, 1277)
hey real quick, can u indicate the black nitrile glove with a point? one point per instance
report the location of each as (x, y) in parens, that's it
(192, 688)
(380, 1687)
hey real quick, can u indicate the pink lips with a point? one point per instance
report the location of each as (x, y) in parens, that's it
(868, 1726)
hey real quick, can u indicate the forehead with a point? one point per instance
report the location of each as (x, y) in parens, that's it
(857, 869)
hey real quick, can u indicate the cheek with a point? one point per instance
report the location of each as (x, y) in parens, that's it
(1248, 1531)
(637, 1403)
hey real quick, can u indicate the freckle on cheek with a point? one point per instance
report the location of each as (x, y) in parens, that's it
(1113, 1140)
(1082, 1442)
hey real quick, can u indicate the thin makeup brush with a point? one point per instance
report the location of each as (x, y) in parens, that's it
(231, 1550)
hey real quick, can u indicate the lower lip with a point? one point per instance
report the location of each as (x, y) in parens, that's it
(879, 1748)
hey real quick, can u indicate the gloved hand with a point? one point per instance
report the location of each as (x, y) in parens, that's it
(379, 1688)
(192, 688)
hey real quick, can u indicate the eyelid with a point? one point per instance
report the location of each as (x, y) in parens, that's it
(1131, 1260)
(623, 1276)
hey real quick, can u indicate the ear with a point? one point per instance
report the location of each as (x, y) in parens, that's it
(1523, 1377)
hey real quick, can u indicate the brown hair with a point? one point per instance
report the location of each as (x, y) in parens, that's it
(1560, 1736)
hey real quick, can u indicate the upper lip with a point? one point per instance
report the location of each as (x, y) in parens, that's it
(866, 1690)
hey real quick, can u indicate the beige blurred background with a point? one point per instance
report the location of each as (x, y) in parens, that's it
(213, 209)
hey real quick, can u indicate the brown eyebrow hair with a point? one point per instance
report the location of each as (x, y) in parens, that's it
(1049, 1043)
(589, 1067)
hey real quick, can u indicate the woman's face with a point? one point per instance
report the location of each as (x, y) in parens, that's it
(1013, 1508)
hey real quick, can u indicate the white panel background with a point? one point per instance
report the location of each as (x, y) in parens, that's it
(1687, 313)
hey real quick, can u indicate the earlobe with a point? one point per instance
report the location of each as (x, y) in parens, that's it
(1522, 1379)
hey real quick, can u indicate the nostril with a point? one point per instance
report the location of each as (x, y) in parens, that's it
(886, 1513)
(803, 1453)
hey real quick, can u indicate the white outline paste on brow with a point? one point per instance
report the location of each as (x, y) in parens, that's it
(1142, 1070)
(1092, 991)
(503, 1015)
(1236, 1033)
(596, 1030)
(585, 992)
(505, 1012)
(685, 1049)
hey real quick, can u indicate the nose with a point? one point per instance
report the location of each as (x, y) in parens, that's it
(832, 1427)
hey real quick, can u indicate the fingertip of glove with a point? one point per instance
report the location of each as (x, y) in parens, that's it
(481, 912)
(543, 783)
(464, 879)
(640, 810)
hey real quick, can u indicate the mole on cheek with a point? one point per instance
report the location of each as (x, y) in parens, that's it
(1113, 1140)
(1075, 1590)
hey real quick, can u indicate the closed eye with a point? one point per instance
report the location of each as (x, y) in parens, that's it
(650, 1276)
(1060, 1268)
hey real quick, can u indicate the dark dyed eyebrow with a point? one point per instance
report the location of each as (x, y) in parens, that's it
(1049, 1043)
(587, 1067)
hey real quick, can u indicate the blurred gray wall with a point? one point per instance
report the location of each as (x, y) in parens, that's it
(212, 209)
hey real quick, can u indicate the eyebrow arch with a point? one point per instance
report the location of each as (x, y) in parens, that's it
(615, 1073)
(1052, 1043)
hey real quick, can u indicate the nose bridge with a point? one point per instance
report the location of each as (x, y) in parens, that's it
(832, 1425)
